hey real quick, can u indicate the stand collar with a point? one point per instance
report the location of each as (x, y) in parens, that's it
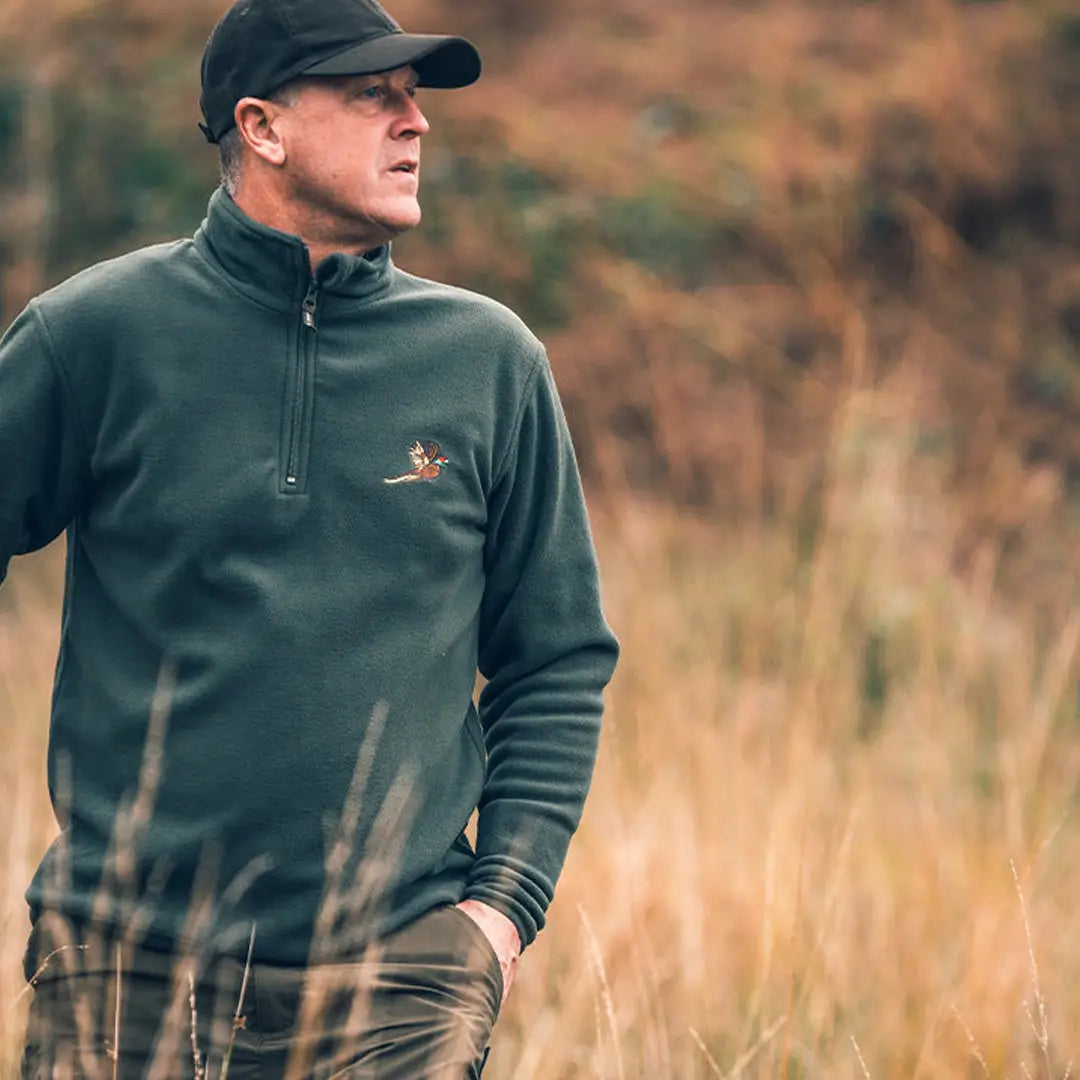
(273, 267)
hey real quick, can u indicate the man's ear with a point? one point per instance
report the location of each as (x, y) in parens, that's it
(255, 121)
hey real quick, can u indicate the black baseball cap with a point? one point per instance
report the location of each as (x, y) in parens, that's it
(261, 44)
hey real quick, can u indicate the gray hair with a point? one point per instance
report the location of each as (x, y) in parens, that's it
(231, 144)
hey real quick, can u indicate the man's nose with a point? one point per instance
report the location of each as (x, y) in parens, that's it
(412, 121)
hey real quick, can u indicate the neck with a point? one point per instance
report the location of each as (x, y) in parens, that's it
(322, 234)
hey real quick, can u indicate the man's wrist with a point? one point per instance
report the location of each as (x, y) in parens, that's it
(486, 915)
(501, 934)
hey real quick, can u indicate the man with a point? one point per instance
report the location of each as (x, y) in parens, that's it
(307, 496)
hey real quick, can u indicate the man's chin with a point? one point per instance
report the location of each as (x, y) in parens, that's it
(371, 230)
(400, 219)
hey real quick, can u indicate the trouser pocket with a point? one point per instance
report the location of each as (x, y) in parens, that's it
(432, 991)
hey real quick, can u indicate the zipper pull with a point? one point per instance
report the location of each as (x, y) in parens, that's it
(308, 307)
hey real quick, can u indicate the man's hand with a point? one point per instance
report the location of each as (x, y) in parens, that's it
(502, 934)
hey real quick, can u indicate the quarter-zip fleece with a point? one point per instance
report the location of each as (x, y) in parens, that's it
(264, 699)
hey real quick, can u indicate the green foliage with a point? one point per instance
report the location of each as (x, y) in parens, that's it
(10, 129)
(875, 684)
(116, 185)
(657, 229)
(1064, 33)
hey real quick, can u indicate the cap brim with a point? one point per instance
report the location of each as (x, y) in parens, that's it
(441, 62)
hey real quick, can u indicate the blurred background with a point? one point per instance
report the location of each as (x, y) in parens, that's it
(809, 275)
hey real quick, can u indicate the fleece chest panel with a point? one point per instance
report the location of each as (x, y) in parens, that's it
(303, 510)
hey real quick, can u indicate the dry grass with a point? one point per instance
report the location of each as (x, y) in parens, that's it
(827, 749)
(831, 834)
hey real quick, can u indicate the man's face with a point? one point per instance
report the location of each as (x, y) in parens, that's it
(353, 153)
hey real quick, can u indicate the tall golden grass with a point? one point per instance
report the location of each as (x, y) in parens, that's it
(831, 831)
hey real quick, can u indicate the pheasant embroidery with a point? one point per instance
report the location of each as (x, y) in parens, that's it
(427, 464)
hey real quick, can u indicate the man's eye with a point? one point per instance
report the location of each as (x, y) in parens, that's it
(371, 93)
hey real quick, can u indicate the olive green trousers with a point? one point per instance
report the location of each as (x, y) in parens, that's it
(418, 1006)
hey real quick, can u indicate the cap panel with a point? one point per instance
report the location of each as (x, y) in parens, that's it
(246, 46)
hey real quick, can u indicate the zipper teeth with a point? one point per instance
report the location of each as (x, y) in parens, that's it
(307, 319)
(294, 429)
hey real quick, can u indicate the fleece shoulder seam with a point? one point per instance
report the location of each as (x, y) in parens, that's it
(60, 372)
(538, 362)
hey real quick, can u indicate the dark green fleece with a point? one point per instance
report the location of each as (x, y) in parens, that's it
(268, 591)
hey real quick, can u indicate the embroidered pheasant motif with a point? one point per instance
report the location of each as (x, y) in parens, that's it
(427, 464)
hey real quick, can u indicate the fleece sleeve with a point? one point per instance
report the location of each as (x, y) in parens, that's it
(43, 450)
(547, 654)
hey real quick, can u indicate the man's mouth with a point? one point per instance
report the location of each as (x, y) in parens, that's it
(409, 167)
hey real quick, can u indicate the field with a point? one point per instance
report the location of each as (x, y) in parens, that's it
(809, 276)
(832, 830)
